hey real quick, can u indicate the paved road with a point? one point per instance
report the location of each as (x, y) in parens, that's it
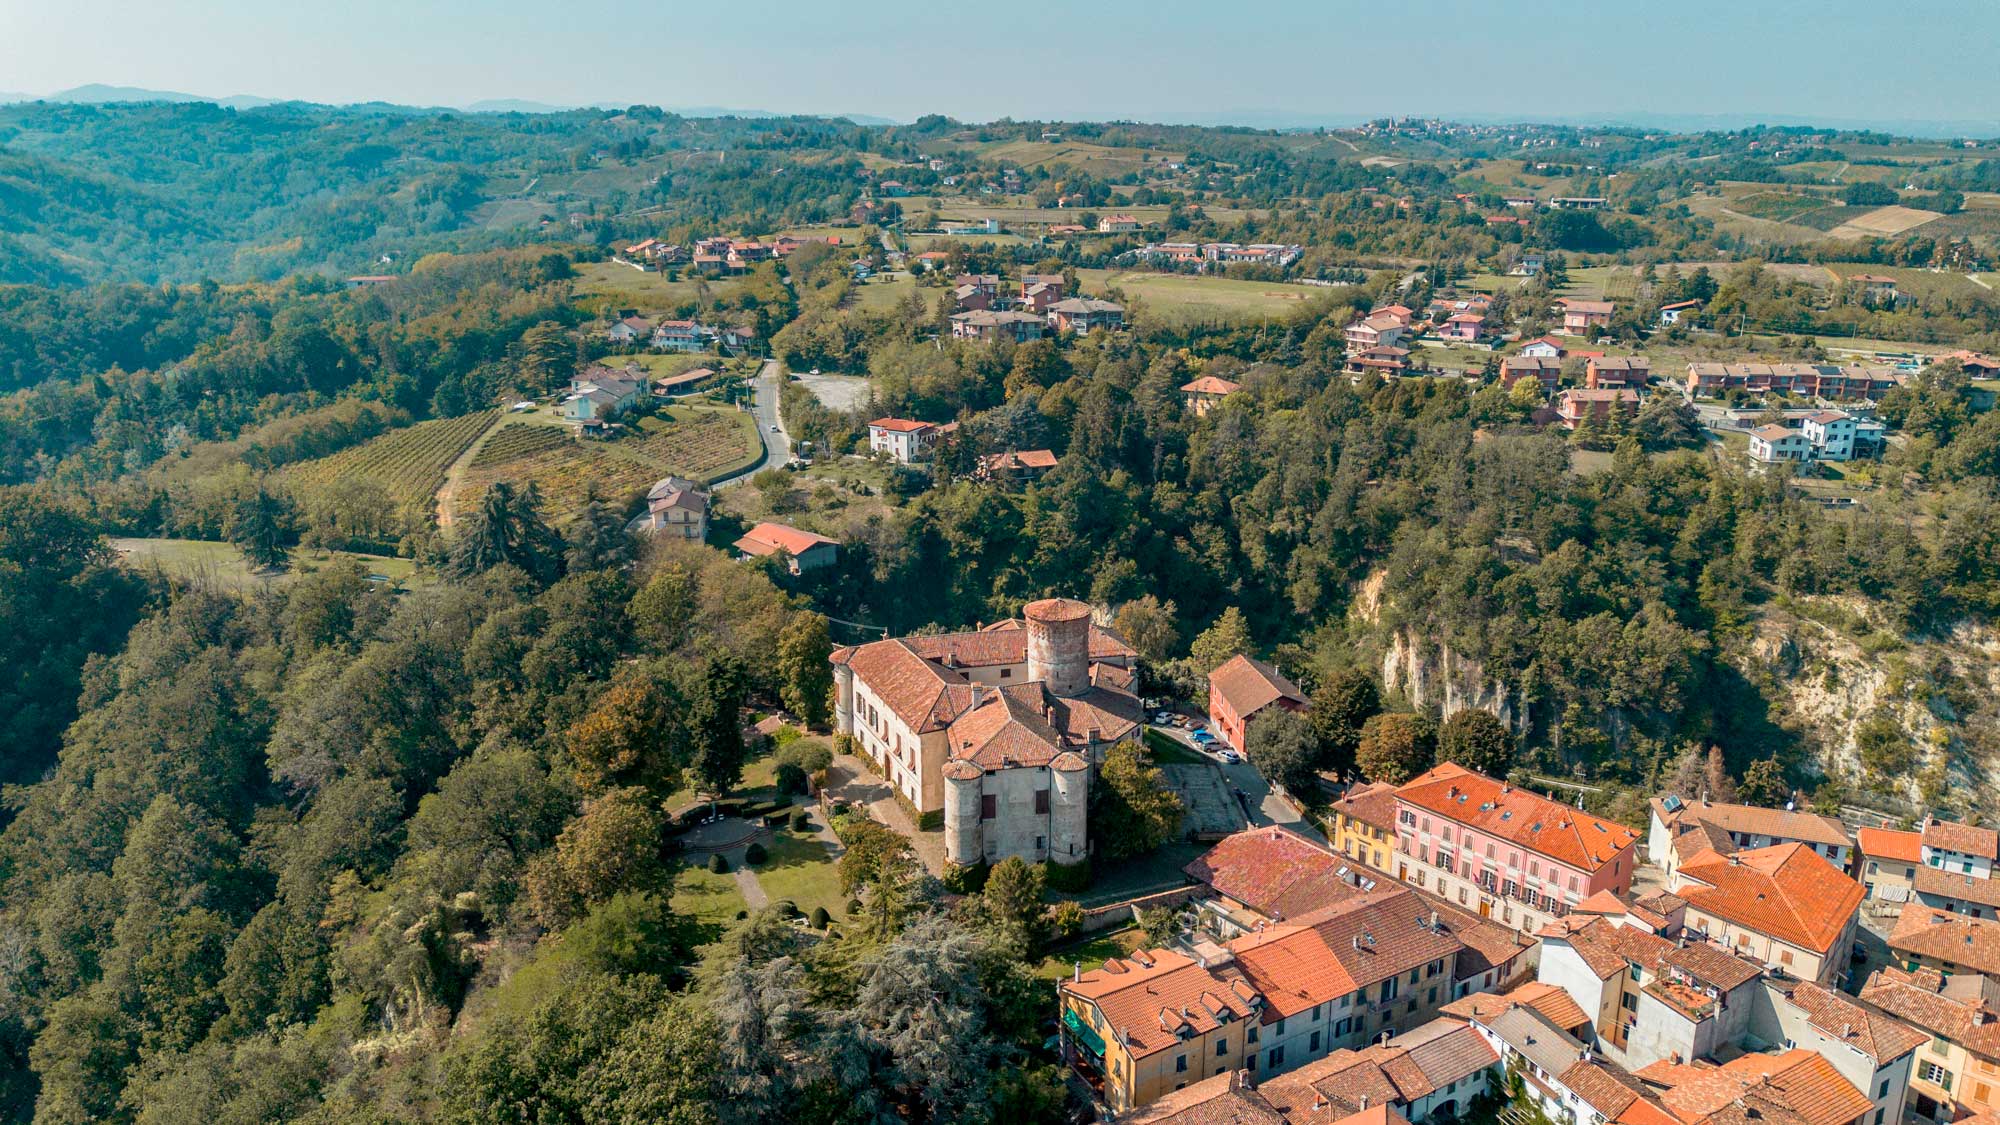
(1261, 804)
(764, 407)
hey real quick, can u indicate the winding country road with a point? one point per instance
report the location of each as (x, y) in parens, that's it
(764, 408)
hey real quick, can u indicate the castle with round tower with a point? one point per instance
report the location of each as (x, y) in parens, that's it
(994, 734)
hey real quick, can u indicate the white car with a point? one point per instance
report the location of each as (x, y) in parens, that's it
(1230, 756)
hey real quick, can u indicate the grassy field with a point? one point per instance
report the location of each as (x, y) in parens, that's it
(705, 896)
(886, 291)
(1189, 299)
(409, 464)
(800, 868)
(223, 563)
(647, 292)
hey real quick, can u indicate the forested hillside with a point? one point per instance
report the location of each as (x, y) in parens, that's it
(317, 842)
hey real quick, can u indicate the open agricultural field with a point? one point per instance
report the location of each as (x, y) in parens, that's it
(409, 464)
(1189, 299)
(562, 468)
(1086, 156)
(650, 292)
(1920, 283)
(1778, 206)
(1603, 283)
(1883, 222)
(696, 443)
(223, 564)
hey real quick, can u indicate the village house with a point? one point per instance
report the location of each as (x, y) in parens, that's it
(1267, 1002)
(1270, 874)
(1602, 406)
(1783, 905)
(681, 336)
(931, 260)
(1648, 997)
(1084, 315)
(1528, 263)
(905, 440)
(1875, 288)
(1957, 1072)
(1039, 291)
(1503, 851)
(1969, 850)
(804, 550)
(602, 397)
(1200, 396)
(1548, 372)
(678, 509)
(1581, 318)
(1792, 1085)
(629, 329)
(1975, 364)
(1671, 314)
(1231, 1098)
(1543, 347)
(993, 733)
(975, 292)
(1377, 330)
(1887, 862)
(1773, 444)
(1831, 434)
(1435, 1069)
(1241, 688)
(1678, 829)
(1926, 937)
(1380, 361)
(1017, 466)
(1362, 824)
(982, 324)
(1875, 1052)
(1558, 1072)
(1117, 224)
(1617, 373)
(1465, 327)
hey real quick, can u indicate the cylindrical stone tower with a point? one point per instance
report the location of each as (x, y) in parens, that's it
(1069, 806)
(1059, 645)
(843, 696)
(962, 843)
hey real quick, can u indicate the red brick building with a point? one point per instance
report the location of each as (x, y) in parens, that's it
(1240, 689)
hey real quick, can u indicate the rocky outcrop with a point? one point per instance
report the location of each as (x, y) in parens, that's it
(1430, 675)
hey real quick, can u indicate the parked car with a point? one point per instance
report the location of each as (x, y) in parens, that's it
(1202, 738)
(1163, 718)
(1230, 756)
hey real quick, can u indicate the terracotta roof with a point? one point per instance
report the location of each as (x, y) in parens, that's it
(1571, 304)
(1774, 432)
(1955, 939)
(1226, 1099)
(1531, 820)
(923, 695)
(1372, 803)
(1795, 1087)
(1275, 872)
(1004, 732)
(1548, 999)
(1841, 1018)
(1955, 837)
(1410, 1066)
(1786, 891)
(1754, 820)
(1606, 947)
(1210, 385)
(1890, 843)
(1354, 943)
(899, 425)
(1610, 1090)
(1139, 994)
(1020, 459)
(1919, 999)
(1249, 685)
(1006, 642)
(1957, 885)
(770, 538)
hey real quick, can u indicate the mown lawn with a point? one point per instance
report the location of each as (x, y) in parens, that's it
(224, 564)
(1187, 298)
(801, 869)
(705, 896)
(1091, 952)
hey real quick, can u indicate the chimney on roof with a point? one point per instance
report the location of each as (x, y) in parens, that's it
(1846, 1030)
(1364, 1101)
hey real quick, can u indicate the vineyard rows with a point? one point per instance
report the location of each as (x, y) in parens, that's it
(697, 448)
(562, 468)
(410, 463)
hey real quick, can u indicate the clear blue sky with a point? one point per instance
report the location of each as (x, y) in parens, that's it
(1145, 59)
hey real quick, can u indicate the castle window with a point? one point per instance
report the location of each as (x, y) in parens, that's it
(989, 806)
(1041, 800)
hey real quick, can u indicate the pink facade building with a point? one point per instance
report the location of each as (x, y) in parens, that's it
(1512, 855)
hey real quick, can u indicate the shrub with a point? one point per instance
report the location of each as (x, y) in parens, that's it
(853, 907)
(964, 878)
(1069, 876)
(820, 918)
(718, 864)
(786, 908)
(801, 822)
(790, 778)
(755, 854)
(930, 820)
